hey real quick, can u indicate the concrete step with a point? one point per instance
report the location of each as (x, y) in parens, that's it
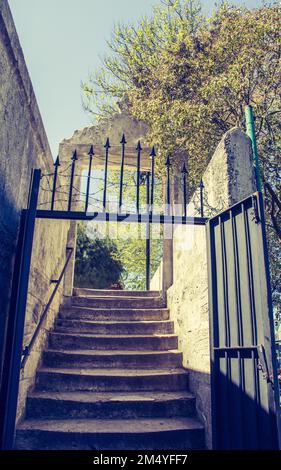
(109, 380)
(85, 405)
(82, 292)
(118, 302)
(114, 314)
(115, 328)
(112, 342)
(139, 434)
(112, 359)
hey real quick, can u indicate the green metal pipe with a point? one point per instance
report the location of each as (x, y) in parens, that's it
(250, 127)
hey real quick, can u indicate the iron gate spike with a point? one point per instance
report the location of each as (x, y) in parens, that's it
(201, 186)
(56, 165)
(184, 175)
(123, 142)
(91, 153)
(152, 155)
(139, 149)
(73, 158)
(107, 146)
(168, 195)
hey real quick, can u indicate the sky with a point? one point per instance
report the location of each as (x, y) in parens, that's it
(63, 42)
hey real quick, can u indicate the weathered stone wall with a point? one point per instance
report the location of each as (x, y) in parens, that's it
(23, 146)
(228, 178)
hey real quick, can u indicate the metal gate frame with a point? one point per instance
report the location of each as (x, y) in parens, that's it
(14, 351)
(244, 385)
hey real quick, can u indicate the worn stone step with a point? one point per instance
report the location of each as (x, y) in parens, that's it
(118, 302)
(83, 292)
(139, 434)
(114, 359)
(99, 380)
(87, 405)
(115, 328)
(114, 314)
(130, 342)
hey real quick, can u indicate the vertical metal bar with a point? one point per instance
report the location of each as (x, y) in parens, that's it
(56, 165)
(168, 188)
(152, 155)
(91, 154)
(147, 251)
(14, 376)
(107, 147)
(250, 126)
(214, 330)
(139, 149)
(227, 396)
(74, 158)
(184, 175)
(12, 321)
(239, 438)
(123, 142)
(254, 423)
(201, 186)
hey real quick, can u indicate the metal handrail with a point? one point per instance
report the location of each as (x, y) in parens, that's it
(29, 347)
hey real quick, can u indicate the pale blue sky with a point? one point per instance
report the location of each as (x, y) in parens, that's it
(62, 42)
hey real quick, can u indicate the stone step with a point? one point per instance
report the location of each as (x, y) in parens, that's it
(85, 405)
(139, 434)
(124, 314)
(118, 302)
(82, 292)
(115, 328)
(112, 342)
(109, 380)
(112, 359)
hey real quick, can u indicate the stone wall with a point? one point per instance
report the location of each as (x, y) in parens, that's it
(228, 178)
(23, 146)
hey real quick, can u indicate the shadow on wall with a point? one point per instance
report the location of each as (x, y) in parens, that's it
(240, 420)
(9, 224)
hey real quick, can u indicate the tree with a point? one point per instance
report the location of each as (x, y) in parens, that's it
(97, 264)
(190, 77)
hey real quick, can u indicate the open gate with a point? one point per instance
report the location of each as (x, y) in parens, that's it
(243, 357)
(15, 356)
(242, 342)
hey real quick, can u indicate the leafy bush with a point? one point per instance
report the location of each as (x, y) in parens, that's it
(97, 264)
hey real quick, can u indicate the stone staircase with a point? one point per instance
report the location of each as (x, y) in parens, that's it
(111, 378)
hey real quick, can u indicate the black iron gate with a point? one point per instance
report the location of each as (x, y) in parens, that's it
(242, 341)
(14, 354)
(243, 358)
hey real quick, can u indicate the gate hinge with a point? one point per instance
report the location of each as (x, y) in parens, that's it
(263, 366)
(24, 353)
(256, 218)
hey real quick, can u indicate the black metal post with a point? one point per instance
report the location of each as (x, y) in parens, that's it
(13, 375)
(91, 154)
(201, 186)
(184, 175)
(74, 158)
(168, 189)
(147, 244)
(123, 142)
(152, 155)
(139, 149)
(56, 165)
(107, 147)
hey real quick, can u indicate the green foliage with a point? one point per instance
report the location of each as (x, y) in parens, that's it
(133, 254)
(189, 78)
(97, 263)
